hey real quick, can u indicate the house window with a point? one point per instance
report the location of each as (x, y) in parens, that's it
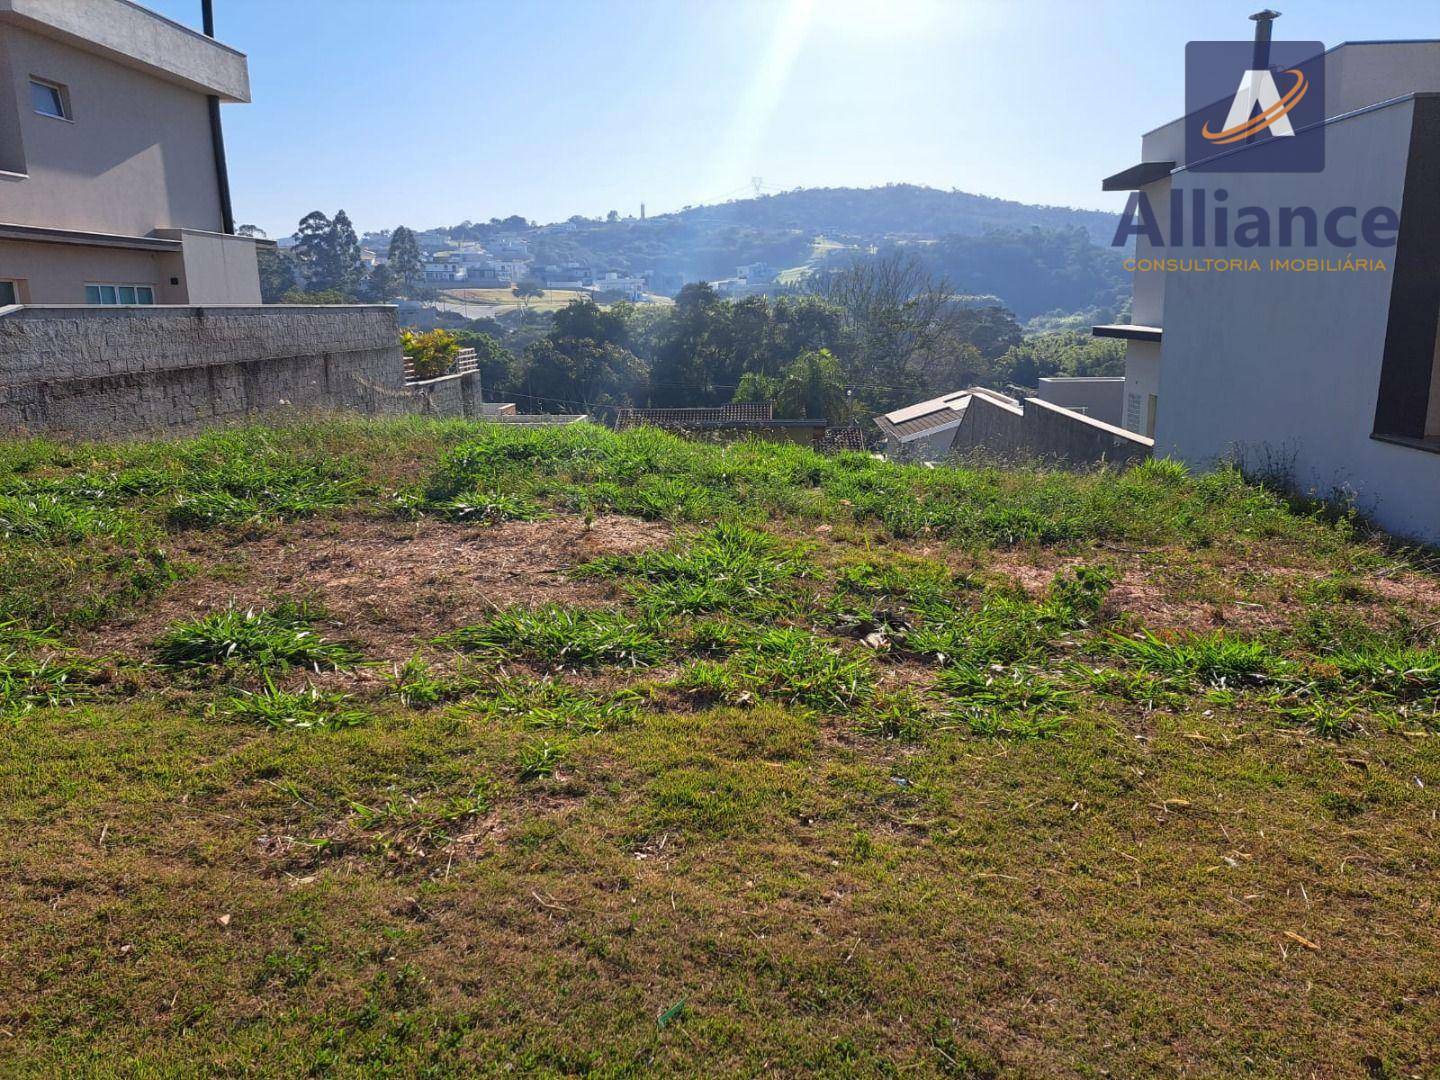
(119, 294)
(50, 99)
(9, 294)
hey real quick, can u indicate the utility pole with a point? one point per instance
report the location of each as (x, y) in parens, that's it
(217, 136)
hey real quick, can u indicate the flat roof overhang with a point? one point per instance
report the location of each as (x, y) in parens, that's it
(132, 35)
(41, 235)
(1137, 176)
(1128, 331)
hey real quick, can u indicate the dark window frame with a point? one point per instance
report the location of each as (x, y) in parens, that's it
(62, 99)
(1407, 367)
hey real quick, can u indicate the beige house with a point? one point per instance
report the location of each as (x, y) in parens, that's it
(112, 178)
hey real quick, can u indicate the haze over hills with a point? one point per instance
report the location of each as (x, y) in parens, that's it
(1036, 259)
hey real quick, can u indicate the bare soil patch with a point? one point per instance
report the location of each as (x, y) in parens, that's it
(391, 586)
(1242, 594)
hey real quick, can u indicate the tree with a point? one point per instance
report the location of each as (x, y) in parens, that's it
(497, 364)
(573, 375)
(905, 323)
(586, 319)
(345, 265)
(526, 291)
(812, 387)
(404, 256)
(381, 284)
(328, 252)
(312, 243)
(612, 217)
(277, 273)
(756, 389)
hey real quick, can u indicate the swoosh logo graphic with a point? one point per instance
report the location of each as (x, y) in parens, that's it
(1261, 121)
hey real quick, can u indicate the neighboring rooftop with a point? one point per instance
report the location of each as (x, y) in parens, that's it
(925, 418)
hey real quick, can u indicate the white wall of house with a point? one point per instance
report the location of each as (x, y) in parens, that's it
(1142, 387)
(1281, 369)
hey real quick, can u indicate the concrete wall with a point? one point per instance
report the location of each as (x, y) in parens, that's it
(992, 427)
(1038, 429)
(1098, 398)
(216, 268)
(1281, 369)
(97, 371)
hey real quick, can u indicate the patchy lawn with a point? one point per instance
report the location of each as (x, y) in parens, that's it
(399, 747)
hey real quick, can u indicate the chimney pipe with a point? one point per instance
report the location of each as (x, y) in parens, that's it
(1262, 20)
(217, 136)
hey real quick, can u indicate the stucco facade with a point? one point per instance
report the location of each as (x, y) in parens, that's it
(122, 186)
(1326, 376)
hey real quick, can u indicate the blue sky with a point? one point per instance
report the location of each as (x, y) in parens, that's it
(428, 112)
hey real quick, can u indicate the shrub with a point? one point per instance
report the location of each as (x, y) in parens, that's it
(540, 759)
(27, 684)
(799, 669)
(431, 353)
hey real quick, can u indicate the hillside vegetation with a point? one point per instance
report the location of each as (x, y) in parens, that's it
(416, 748)
(1035, 259)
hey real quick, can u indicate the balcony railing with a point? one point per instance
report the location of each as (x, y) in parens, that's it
(465, 362)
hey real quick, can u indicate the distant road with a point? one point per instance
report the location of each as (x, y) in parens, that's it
(471, 309)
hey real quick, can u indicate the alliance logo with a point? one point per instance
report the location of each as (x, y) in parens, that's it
(1257, 91)
(1238, 120)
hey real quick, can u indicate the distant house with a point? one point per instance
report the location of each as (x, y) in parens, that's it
(612, 281)
(924, 431)
(980, 420)
(511, 247)
(443, 271)
(573, 275)
(726, 421)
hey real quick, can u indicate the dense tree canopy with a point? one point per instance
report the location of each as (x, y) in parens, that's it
(880, 334)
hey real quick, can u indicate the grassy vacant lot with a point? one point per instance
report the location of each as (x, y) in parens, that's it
(402, 748)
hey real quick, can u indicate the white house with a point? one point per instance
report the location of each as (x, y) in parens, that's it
(612, 281)
(1314, 361)
(443, 271)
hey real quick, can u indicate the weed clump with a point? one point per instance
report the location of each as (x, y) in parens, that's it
(266, 639)
(285, 710)
(578, 637)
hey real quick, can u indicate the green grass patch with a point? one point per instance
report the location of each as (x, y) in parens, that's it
(727, 568)
(266, 639)
(576, 637)
(1215, 658)
(308, 709)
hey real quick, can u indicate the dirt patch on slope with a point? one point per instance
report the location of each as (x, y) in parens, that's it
(1243, 594)
(391, 586)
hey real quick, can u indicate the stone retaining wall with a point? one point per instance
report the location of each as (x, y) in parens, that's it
(96, 371)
